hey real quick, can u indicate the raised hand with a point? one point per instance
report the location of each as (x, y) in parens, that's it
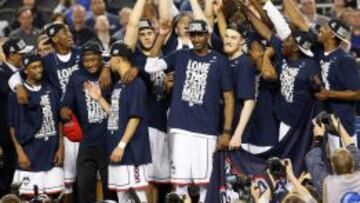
(94, 90)
(217, 6)
(319, 129)
(165, 28)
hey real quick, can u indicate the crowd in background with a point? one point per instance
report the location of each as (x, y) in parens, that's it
(138, 43)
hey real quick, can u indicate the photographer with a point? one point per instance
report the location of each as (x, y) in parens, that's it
(292, 186)
(342, 175)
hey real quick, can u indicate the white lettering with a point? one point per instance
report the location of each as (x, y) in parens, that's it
(287, 80)
(195, 82)
(95, 113)
(48, 127)
(325, 67)
(64, 76)
(113, 122)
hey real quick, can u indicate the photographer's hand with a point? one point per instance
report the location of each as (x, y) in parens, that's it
(255, 191)
(346, 139)
(300, 189)
(289, 168)
(318, 130)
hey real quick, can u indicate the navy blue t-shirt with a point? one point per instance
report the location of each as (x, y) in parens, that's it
(199, 84)
(264, 123)
(244, 83)
(92, 117)
(157, 98)
(295, 85)
(128, 101)
(37, 126)
(58, 73)
(339, 73)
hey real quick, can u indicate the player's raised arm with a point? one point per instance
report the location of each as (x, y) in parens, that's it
(259, 26)
(208, 11)
(281, 26)
(267, 69)
(295, 15)
(164, 30)
(259, 8)
(197, 11)
(221, 21)
(132, 29)
(164, 10)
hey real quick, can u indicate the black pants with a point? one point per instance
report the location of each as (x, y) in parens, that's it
(92, 159)
(9, 161)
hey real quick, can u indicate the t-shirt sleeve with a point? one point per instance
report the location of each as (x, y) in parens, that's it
(225, 74)
(170, 44)
(246, 82)
(348, 74)
(170, 60)
(216, 43)
(137, 102)
(276, 43)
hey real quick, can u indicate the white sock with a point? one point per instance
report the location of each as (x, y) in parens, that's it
(181, 190)
(141, 195)
(123, 197)
(68, 189)
(202, 193)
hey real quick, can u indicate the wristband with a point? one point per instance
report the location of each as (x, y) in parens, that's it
(122, 145)
(226, 131)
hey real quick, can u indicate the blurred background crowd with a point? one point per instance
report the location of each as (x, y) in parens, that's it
(25, 18)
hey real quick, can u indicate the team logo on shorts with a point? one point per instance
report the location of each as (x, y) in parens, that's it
(25, 181)
(136, 174)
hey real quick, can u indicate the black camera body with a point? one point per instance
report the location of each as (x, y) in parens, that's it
(325, 118)
(276, 168)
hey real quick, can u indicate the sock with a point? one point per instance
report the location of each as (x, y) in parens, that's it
(123, 197)
(181, 190)
(202, 193)
(141, 195)
(68, 189)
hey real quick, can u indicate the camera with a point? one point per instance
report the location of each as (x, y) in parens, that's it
(276, 168)
(241, 185)
(325, 118)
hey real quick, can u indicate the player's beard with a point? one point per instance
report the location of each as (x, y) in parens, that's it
(37, 79)
(144, 48)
